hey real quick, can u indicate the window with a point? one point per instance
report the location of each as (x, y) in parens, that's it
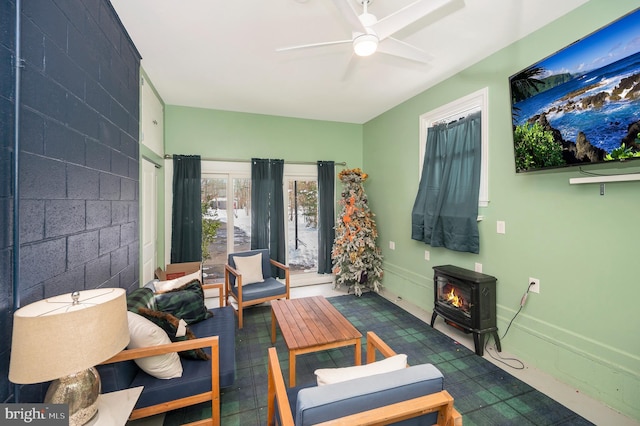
(477, 101)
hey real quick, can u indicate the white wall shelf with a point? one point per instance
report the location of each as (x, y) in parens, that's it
(605, 179)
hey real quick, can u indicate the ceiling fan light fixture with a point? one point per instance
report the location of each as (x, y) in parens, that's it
(365, 44)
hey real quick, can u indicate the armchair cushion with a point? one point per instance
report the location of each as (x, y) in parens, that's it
(250, 267)
(322, 403)
(196, 378)
(223, 325)
(268, 288)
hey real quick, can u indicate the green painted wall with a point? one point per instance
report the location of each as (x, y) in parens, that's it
(232, 135)
(583, 326)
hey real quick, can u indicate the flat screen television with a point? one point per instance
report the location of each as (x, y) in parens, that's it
(580, 105)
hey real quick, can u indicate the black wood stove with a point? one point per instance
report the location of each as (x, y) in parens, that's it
(466, 300)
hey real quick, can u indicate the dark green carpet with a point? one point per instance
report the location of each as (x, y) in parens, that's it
(483, 393)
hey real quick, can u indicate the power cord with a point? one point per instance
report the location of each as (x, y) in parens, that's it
(522, 302)
(519, 364)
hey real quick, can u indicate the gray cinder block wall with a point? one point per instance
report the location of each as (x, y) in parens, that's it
(78, 147)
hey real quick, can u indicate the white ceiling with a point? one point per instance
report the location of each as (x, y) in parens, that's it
(222, 54)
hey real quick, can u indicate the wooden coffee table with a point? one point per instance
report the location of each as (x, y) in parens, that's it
(311, 324)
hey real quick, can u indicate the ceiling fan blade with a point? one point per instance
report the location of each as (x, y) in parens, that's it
(406, 16)
(350, 15)
(395, 47)
(304, 46)
(351, 65)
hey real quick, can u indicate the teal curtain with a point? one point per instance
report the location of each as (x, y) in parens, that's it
(445, 211)
(326, 214)
(267, 209)
(186, 224)
(260, 189)
(277, 243)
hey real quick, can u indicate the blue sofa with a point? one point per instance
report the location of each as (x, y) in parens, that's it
(201, 380)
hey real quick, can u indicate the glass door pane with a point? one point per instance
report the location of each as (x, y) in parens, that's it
(234, 216)
(302, 229)
(214, 198)
(241, 219)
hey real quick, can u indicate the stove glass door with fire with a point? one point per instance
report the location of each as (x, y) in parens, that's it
(455, 299)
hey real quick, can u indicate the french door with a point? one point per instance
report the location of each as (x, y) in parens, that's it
(302, 224)
(226, 192)
(227, 199)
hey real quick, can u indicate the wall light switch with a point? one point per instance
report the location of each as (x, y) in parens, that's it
(427, 255)
(392, 245)
(478, 267)
(501, 227)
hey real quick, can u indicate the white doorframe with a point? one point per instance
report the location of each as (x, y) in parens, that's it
(149, 214)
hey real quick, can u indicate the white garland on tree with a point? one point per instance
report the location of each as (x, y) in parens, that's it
(357, 261)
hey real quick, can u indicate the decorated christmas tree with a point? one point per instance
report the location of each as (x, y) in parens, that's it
(357, 261)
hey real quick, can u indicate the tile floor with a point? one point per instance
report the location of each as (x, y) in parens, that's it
(589, 408)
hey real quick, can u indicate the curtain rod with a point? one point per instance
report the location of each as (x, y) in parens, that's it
(237, 160)
(457, 115)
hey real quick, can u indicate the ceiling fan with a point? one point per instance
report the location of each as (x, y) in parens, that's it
(370, 35)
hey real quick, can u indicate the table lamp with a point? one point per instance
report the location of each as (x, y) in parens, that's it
(62, 338)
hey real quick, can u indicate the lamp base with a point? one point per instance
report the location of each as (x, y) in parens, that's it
(80, 391)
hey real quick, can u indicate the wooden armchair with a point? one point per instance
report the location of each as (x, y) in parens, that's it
(253, 293)
(439, 402)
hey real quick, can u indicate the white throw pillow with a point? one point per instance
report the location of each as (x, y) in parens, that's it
(326, 376)
(250, 267)
(144, 333)
(164, 286)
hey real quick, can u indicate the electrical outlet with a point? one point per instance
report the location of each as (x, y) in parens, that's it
(392, 245)
(427, 255)
(501, 227)
(478, 267)
(535, 288)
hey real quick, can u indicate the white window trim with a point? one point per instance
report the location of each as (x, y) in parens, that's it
(476, 101)
(225, 167)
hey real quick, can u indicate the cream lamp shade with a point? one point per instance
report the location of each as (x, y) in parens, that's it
(56, 337)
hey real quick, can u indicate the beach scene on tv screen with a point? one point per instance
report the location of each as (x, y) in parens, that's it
(581, 104)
